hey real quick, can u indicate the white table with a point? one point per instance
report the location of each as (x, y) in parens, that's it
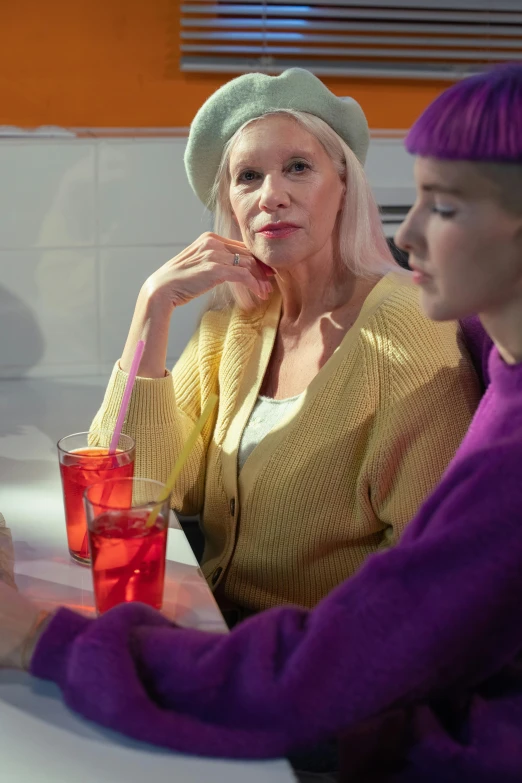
(40, 739)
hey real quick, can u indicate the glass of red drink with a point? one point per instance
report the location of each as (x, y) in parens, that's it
(128, 555)
(82, 464)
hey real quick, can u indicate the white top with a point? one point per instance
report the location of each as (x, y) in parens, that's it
(266, 414)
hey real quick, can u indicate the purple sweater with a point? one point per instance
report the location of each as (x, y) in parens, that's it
(419, 650)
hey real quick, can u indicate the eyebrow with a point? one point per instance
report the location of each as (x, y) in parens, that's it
(245, 161)
(433, 187)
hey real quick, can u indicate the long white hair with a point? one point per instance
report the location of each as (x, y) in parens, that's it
(363, 248)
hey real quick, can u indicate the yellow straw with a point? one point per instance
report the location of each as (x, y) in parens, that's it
(178, 465)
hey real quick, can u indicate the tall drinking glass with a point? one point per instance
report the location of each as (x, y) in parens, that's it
(128, 555)
(82, 464)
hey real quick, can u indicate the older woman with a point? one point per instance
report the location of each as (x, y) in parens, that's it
(340, 404)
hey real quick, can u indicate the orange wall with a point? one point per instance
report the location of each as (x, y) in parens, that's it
(114, 63)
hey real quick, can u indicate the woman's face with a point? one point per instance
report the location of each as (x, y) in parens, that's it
(285, 193)
(465, 248)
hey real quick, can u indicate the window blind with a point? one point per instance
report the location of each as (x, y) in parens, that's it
(438, 39)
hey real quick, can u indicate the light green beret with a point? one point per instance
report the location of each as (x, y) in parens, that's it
(252, 95)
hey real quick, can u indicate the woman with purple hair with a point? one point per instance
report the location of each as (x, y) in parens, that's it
(415, 663)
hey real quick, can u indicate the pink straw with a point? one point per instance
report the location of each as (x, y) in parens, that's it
(138, 353)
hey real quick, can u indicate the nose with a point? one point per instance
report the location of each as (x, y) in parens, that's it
(409, 236)
(273, 194)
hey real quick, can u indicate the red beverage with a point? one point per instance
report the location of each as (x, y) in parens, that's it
(128, 558)
(79, 469)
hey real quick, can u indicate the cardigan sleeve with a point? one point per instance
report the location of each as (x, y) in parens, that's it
(419, 621)
(429, 393)
(161, 414)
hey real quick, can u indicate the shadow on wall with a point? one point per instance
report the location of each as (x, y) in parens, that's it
(34, 414)
(22, 344)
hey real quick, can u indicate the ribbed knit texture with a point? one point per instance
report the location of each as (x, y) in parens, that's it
(368, 442)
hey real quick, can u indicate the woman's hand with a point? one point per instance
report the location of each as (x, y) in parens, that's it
(206, 263)
(20, 628)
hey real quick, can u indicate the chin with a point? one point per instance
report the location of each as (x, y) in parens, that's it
(437, 309)
(277, 261)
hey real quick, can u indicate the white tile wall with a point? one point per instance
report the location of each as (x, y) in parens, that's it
(390, 170)
(47, 194)
(133, 265)
(48, 309)
(144, 196)
(82, 224)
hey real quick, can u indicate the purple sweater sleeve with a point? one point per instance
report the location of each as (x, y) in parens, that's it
(416, 621)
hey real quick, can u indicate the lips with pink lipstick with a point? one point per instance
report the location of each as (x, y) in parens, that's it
(278, 230)
(418, 275)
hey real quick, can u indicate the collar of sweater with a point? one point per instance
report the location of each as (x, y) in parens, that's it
(506, 378)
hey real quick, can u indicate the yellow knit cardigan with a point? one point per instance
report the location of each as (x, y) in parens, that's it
(336, 480)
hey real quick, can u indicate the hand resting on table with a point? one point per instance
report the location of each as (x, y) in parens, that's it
(21, 623)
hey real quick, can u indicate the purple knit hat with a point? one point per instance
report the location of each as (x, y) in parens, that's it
(478, 119)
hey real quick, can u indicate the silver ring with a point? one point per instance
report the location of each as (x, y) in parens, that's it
(236, 259)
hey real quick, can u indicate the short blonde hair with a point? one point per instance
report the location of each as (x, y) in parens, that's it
(362, 246)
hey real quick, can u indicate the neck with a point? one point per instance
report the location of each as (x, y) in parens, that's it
(310, 290)
(504, 326)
